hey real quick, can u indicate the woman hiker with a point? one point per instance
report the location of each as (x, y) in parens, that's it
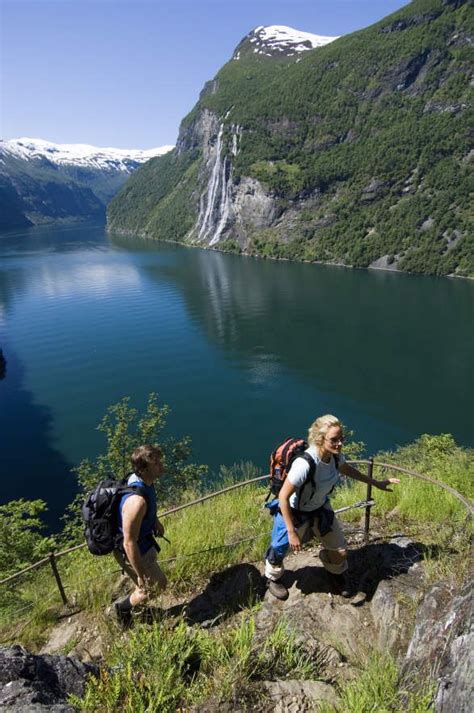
(304, 503)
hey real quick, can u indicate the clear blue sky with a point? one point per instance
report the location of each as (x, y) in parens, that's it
(124, 73)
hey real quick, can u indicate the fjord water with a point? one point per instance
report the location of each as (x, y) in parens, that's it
(245, 351)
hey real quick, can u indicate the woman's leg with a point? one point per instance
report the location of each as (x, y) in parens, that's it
(275, 554)
(333, 555)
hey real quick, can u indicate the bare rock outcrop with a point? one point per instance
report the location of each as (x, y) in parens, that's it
(442, 647)
(32, 682)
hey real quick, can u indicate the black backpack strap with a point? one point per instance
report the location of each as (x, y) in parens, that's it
(309, 477)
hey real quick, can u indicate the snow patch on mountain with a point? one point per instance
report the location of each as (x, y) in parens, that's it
(82, 155)
(272, 40)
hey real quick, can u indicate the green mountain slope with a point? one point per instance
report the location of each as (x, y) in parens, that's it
(34, 192)
(43, 182)
(358, 152)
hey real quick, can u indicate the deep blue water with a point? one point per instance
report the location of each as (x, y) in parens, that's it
(245, 351)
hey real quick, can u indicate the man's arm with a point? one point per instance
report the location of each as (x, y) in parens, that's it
(355, 474)
(133, 512)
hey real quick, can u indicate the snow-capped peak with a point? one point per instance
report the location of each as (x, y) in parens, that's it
(272, 40)
(79, 154)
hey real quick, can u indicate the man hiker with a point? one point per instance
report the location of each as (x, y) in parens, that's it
(138, 523)
(303, 504)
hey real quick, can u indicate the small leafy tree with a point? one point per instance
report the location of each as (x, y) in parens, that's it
(21, 540)
(125, 428)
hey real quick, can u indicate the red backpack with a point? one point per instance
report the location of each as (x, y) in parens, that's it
(282, 459)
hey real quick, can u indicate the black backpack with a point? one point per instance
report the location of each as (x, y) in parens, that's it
(100, 513)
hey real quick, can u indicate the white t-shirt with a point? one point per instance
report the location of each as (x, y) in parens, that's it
(324, 478)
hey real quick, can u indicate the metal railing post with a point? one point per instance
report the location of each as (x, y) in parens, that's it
(370, 470)
(54, 567)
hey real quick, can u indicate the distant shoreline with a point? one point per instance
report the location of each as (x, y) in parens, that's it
(143, 236)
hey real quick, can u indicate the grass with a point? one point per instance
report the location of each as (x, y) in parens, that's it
(162, 669)
(238, 515)
(415, 501)
(376, 690)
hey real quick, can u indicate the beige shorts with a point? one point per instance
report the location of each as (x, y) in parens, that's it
(154, 574)
(333, 540)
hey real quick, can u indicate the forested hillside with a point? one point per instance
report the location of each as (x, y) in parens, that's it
(357, 152)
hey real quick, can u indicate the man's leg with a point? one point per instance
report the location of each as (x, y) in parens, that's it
(155, 582)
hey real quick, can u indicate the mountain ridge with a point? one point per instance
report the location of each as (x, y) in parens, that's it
(354, 153)
(41, 181)
(278, 40)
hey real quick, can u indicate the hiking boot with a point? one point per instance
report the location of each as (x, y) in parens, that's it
(341, 584)
(277, 589)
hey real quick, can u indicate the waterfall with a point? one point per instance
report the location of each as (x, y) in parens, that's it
(236, 134)
(206, 220)
(215, 209)
(224, 207)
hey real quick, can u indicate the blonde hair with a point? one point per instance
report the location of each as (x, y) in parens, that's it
(318, 430)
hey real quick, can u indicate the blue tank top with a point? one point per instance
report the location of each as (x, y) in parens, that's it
(145, 537)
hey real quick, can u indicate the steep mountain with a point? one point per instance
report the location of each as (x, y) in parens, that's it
(356, 151)
(42, 182)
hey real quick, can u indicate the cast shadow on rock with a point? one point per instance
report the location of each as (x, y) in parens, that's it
(226, 593)
(368, 566)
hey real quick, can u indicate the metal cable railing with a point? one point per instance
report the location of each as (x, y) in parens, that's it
(367, 504)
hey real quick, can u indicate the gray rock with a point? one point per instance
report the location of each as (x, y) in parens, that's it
(400, 25)
(443, 107)
(201, 133)
(33, 683)
(253, 206)
(386, 262)
(442, 647)
(298, 696)
(390, 609)
(455, 3)
(427, 224)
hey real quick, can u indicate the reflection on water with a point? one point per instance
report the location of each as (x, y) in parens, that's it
(54, 281)
(30, 467)
(369, 337)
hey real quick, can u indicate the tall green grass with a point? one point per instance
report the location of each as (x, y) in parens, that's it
(376, 690)
(207, 528)
(161, 669)
(416, 501)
